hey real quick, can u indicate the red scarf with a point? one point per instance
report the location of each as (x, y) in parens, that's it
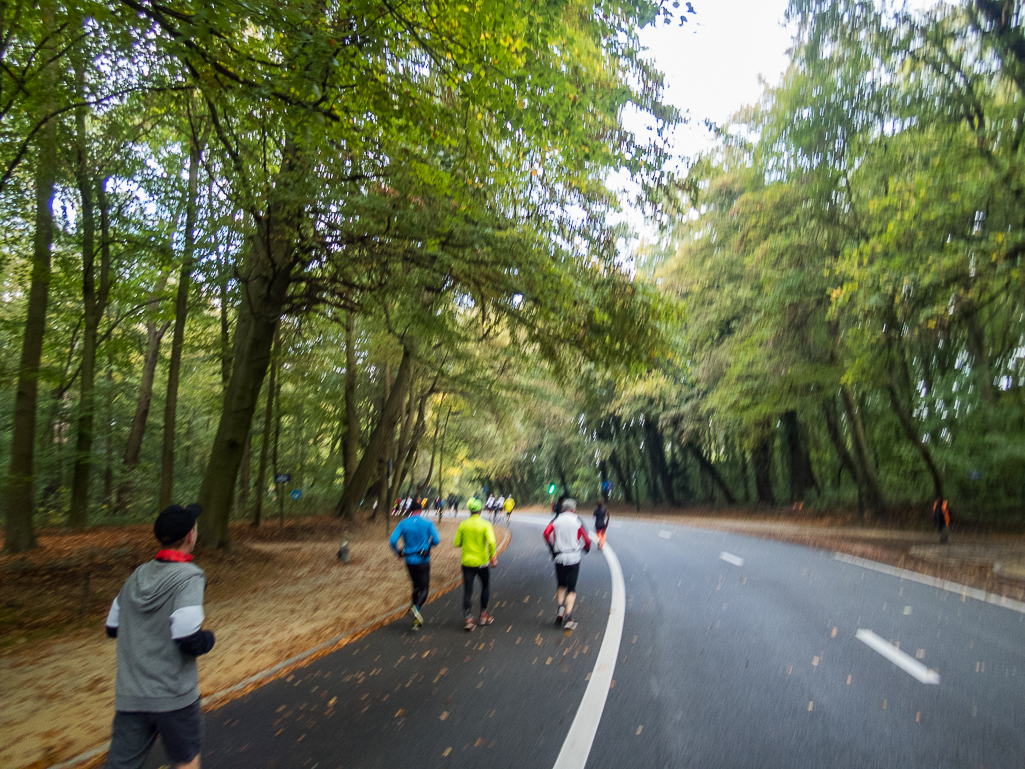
(174, 555)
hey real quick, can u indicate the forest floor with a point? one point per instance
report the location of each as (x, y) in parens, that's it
(276, 593)
(280, 591)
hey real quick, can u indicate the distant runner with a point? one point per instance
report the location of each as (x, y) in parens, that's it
(509, 504)
(418, 536)
(499, 508)
(157, 619)
(941, 519)
(567, 540)
(601, 521)
(477, 539)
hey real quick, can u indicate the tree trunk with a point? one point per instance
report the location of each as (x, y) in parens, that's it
(678, 474)
(268, 418)
(133, 448)
(562, 479)
(278, 492)
(635, 479)
(386, 462)
(802, 476)
(244, 478)
(92, 311)
(225, 329)
(441, 458)
(832, 420)
(178, 337)
(657, 454)
(378, 439)
(975, 338)
(712, 473)
(352, 431)
(19, 532)
(617, 468)
(108, 470)
(743, 476)
(761, 458)
(271, 261)
(907, 424)
(873, 495)
(434, 447)
(405, 450)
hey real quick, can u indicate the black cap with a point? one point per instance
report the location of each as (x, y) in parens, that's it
(175, 522)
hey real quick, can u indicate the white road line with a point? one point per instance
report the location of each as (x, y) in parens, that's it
(577, 746)
(942, 584)
(736, 560)
(665, 534)
(906, 663)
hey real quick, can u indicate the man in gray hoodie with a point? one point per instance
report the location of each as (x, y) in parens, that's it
(157, 619)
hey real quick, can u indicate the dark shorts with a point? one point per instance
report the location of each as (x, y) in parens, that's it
(133, 735)
(566, 575)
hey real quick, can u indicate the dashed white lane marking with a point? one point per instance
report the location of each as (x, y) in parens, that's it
(577, 746)
(736, 560)
(908, 664)
(665, 534)
(942, 584)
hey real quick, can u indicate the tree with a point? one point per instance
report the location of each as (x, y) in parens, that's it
(19, 535)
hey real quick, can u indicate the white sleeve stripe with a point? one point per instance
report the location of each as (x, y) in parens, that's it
(114, 615)
(186, 621)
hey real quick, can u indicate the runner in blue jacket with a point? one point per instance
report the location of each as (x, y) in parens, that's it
(418, 536)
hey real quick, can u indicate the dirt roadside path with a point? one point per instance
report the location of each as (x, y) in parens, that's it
(57, 693)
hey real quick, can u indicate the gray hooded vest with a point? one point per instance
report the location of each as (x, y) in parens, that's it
(161, 601)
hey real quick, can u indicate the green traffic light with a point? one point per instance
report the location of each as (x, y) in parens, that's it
(551, 489)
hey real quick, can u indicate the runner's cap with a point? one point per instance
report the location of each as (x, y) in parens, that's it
(175, 522)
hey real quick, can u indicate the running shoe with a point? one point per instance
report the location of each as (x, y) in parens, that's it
(485, 619)
(560, 615)
(418, 618)
(469, 625)
(570, 623)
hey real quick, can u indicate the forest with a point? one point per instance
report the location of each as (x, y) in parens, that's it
(378, 248)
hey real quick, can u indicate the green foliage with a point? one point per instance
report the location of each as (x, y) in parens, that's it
(867, 240)
(441, 173)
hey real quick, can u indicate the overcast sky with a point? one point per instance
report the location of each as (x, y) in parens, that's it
(713, 62)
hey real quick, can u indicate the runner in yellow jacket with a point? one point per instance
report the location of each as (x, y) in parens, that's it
(510, 503)
(477, 539)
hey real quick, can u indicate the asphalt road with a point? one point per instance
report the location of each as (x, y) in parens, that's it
(720, 665)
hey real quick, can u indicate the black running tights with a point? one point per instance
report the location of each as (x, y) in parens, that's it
(420, 573)
(469, 572)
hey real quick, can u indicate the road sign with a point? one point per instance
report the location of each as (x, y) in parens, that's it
(551, 488)
(606, 487)
(296, 494)
(282, 478)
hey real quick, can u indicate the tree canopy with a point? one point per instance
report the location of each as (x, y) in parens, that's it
(374, 248)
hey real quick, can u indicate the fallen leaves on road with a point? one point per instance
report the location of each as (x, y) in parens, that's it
(276, 593)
